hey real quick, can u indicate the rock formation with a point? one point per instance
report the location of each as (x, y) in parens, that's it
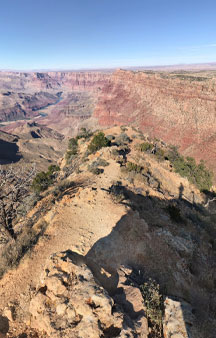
(177, 109)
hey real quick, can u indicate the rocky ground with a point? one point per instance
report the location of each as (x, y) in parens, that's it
(107, 257)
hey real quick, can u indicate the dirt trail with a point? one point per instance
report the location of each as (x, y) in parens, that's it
(75, 223)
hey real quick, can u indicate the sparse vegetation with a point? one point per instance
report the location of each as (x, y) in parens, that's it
(14, 251)
(73, 146)
(117, 192)
(99, 141)
(122, 139)
(62, 186)
(84, 133)
(72, 149)
(44, 179)
(160, 154)
(153, 301)
(197, 174)
(100, 162)
(146, 147)
(93, 167)
(130, 166)
(95, 171)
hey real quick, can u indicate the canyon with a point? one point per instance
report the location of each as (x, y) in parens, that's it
(178, 107)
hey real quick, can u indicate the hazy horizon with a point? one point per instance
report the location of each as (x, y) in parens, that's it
(201, 66)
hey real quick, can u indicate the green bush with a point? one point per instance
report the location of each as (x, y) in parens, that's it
(153, 300)
(73, 142)
(146, 146)
(41, 181)
(134, 167)
(53, 168)
(44, 179)
(84, 133)
(73, 147)
(99, 141)
(197, 174)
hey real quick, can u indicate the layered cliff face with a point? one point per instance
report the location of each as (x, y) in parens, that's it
(22, 94)
(53, 80)
(179, 109)
(88, 81)
(15, 106)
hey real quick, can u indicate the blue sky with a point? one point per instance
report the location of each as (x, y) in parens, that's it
(68, 34)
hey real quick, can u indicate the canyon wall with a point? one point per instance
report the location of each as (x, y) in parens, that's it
(21, 94)
(36, 81)
(181, 109)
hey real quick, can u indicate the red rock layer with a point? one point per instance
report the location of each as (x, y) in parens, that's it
(180, 112)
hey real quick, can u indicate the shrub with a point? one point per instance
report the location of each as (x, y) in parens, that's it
(73, 147)
(100, 162)
(44, 179)
(84, 133)
(117, 192)
(146, 147)
(41, 182)
(53, 168)
(196, 174)
(93, 167)
(99, 141)
(69, 156)
(122, 139)
(134, 167)
(95, 171)
(110, 137)
(73, 142)
(160, 154)
(154, 306)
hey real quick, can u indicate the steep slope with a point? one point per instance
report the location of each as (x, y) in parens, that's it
(36, 144)
(114, 221)
(178, 108)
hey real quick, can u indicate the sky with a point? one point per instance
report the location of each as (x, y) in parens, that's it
(77, 34)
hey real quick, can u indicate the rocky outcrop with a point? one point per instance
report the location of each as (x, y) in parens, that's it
(178, 109)
(70, 303)
(178, 319)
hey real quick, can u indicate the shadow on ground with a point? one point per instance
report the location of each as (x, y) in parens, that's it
(170, 241)
(9, 152)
